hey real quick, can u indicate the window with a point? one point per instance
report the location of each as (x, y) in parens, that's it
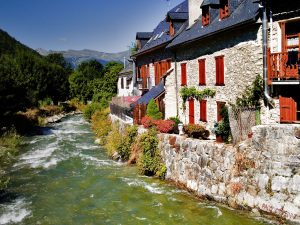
(219, 70)
(191, 111)
(203, 111)
(205, 15)
(122, 83)
(183, 74)
(220, 106)
(224, 9)
(201, 72)
(172, 31)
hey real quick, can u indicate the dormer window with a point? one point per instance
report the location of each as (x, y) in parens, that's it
(205, 15)
(172, 31)
(224, 9)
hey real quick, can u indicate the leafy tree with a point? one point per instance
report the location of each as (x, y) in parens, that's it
(106, 87)
(153, 111)
(82, 80)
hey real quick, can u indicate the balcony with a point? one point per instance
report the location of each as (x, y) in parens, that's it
(284, 67)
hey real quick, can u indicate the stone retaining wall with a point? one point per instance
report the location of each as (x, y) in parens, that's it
(262, 172)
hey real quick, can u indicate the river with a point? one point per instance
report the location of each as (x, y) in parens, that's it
(62, 177)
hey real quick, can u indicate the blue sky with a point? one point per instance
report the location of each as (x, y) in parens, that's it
(103, 25)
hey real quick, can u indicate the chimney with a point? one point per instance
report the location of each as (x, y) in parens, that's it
(194, 10)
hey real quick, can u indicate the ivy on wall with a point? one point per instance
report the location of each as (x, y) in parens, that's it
(192, 92)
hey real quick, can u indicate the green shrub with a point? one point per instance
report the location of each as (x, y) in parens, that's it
(153, 111)
(222, 127)
(114, 140)
(101, 124)
(128, 140)
(196, 131)
(150, 162)
(91, 109)
(176, 122)
(45, 102)
(9, 143)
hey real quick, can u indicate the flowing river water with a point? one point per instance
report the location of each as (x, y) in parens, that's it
(62, 177)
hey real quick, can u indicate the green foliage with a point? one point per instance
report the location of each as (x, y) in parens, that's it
(192, 92)
(106, 87)
(176, 122)
(150, 162)
(222, 127)
(27, 77)
(128, 140)
(45, 102)
(196, 131)
(252, 95)
(82, 80)
(90, 109)
(153, 111)
(91, 81)
(9, 143)
(101, 124)
(114, 140)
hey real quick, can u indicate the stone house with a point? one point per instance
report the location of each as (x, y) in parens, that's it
(154, 61)
(222, 49)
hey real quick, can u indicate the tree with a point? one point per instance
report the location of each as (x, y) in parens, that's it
(82, 80)
(153, 111)
(106, 87)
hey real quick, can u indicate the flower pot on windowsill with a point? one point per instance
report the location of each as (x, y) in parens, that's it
(250, 135)
(219, 138)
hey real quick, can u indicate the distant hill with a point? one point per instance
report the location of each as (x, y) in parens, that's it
(75, 57)
(9, 45)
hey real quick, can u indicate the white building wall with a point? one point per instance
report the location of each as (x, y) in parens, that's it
(125, 91)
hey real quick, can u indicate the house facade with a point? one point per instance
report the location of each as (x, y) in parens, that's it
(222, 49)
(154, 62)
(222, 45)
(126, 81)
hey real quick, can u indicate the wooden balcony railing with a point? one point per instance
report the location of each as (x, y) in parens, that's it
(284, 66)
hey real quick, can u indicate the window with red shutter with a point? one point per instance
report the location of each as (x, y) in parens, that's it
(183, 74)
(219, 70)
(191, 111)
(205, 15)
(224, 9)
(202, 72)
(203, 117)
(220, 106)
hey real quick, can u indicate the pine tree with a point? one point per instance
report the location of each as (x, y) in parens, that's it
(153, 111)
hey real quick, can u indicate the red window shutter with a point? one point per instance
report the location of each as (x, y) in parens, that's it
(191, 111)
(202, 72)
(224, 9)
(205, 15)
(219, 70)
(203, 114)
(183, 74)
(155, 73)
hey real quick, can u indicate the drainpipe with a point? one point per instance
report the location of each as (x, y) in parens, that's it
(265, 45)
(176, 84)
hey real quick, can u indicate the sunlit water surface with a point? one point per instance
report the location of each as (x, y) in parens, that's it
(62, 177)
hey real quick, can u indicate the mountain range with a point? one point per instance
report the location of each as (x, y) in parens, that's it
(75, 57)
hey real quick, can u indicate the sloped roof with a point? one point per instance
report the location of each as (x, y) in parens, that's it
(210, 2)
(143, 35)
(245, 11)
(178, 16)
(160, 34)
(152, 94)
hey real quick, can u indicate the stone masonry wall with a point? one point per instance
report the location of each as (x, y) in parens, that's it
(261, 173)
